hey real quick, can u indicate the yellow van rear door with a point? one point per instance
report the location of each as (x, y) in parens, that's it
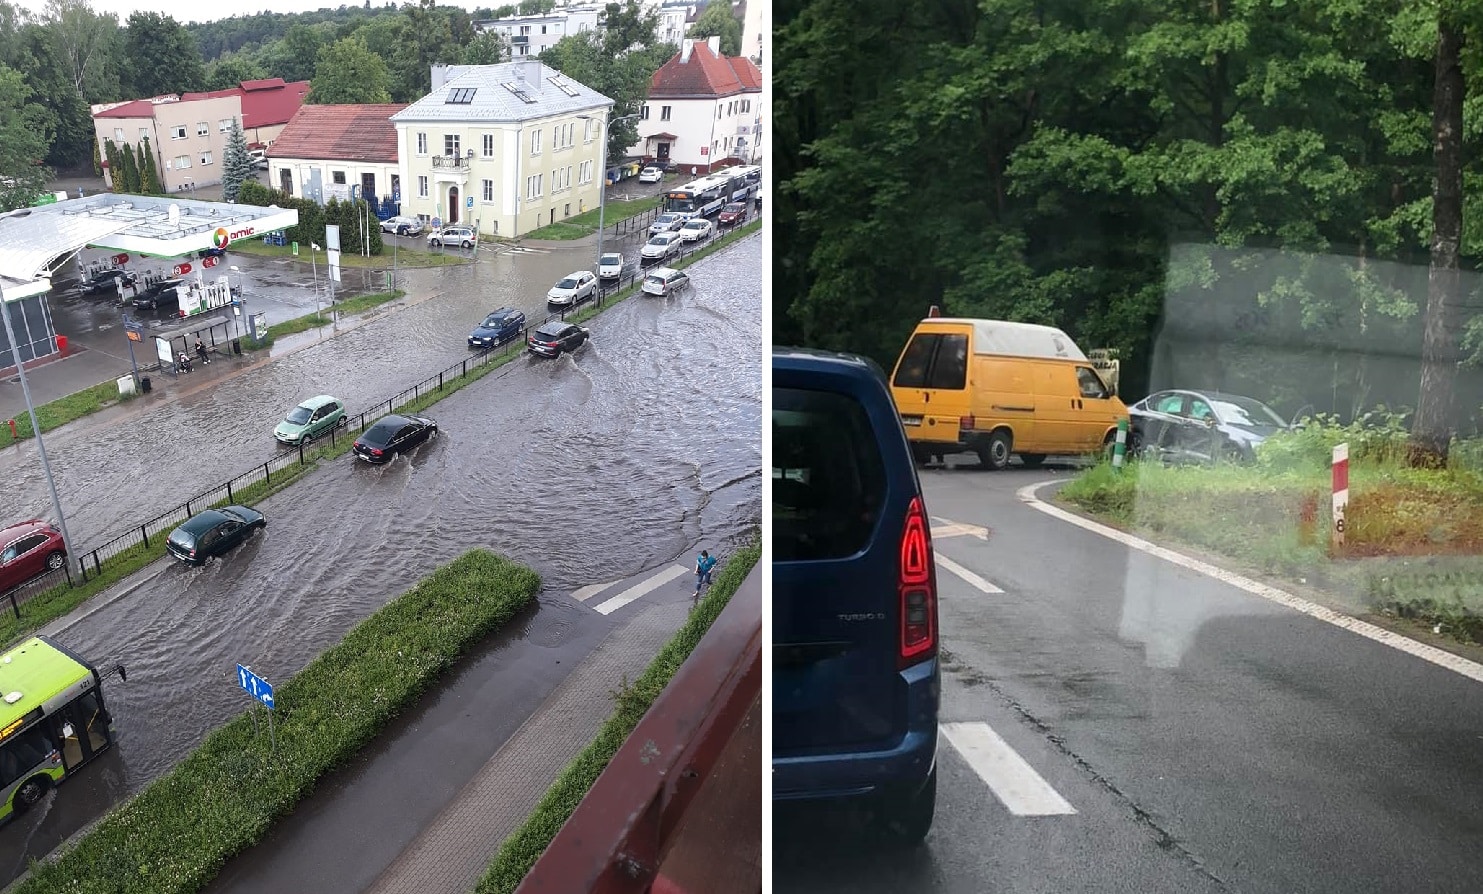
(930, 384)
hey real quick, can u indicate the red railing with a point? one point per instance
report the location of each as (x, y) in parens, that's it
(619, 837)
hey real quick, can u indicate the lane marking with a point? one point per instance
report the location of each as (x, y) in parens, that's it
(1009, 776)
(656, 580)
(946, 527)
(1440, 657)
(582, 594)
(966, 574)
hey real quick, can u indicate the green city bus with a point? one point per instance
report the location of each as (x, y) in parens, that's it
(52, 719)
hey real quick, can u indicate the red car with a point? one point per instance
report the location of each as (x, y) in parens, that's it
(734, 213)
(27, 549)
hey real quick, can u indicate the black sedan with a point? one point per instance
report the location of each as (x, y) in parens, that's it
(554, 338)
(213, 532)
(161, 294)
(1201, 426)
(392, 435)
(107, 281)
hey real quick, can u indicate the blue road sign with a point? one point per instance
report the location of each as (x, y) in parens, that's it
(255, 686)
(469, 202)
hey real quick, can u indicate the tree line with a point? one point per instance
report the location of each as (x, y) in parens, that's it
(1122, 169)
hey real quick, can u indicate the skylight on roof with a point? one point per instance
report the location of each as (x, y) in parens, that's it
(518, 91)
(461, 95)
(563, 86)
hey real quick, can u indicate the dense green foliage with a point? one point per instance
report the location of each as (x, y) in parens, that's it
(348, 72)
(1257, 173)
(225, 795)
(236, 164)
(520, 851)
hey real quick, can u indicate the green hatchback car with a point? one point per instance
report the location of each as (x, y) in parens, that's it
(311, 419)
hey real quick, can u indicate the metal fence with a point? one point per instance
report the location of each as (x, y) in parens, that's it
(627, 225)
(91, 563)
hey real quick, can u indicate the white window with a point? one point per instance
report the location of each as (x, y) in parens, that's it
(337, 177)
(143, 134)
(205, 158)
(489, 190)
(422, 144)
(182, 161)
(644, 113)
(535, 142)
(489, 145)
(451, 145)
(422, 186)
(118, 134)
(664, 113)
(176, 133)
(203, 129)
(224, 124)
(533, 186)
(718, 111)
(568, 177)
(584, 172)
(587, 130)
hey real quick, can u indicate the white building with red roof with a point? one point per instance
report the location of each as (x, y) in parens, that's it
(704, 109)
(327, 149)
(188, 132)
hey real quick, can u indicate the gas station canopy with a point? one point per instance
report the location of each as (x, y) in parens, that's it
(35, 241)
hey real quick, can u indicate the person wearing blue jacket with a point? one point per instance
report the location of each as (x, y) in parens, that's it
(703, 565)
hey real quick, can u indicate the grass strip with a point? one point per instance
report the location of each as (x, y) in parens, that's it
(520, 851)
(175, 835)
(70, 408)
(585, 224)
(404, 257)
(349, 306)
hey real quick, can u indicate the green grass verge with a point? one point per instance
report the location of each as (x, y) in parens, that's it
(520, 851)
(358, 304)
(405, 257)
(1414, 538)
(224, 797)
(68, 409)
(585, 224)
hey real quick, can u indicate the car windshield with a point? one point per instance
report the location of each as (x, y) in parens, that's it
(380, 433)
(232, 515)
(182, 537)
(695, 224)
(664, 219)
(609, 260)
(655, 280)
(494, 321)
(1246, 412)
(567, 283)
(298, 415)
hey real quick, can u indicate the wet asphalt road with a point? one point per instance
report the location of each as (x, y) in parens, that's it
(176, 450)
(588, 467)
(1208, 740)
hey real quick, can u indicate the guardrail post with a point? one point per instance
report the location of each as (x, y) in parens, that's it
(15, 606)
(230, 499)
(440, 381)
(415, 395)
(143, 532)
(466, 367)
(301, 451)
(267, 474)
(97, 565)
(188, 511)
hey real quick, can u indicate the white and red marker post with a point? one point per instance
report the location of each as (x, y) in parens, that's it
(1341, 491)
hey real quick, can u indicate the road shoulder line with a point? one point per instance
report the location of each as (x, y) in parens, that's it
(1021, 790)
(967, 574)
(1431, 654)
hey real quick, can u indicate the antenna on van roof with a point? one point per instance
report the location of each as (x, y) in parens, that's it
(934, 311)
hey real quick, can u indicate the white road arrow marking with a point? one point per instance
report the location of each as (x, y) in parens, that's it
(944, 527)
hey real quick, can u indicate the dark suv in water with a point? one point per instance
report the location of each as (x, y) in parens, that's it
(856, 684)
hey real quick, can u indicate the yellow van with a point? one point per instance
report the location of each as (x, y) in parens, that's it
(998, 389)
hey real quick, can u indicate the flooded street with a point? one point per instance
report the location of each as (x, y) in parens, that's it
(176, 450)
(622, 456)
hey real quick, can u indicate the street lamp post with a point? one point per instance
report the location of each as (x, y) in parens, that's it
(602, 195)
(20, 369)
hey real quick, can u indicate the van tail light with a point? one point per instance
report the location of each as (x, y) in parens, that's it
(917, 586)
(966, 422)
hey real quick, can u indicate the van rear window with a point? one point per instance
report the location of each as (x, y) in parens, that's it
(828, 476)
(934, 360)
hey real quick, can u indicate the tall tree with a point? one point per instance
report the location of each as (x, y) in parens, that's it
(115, 164)
(128, 175)
(487, 48)
(237, 167)
(717, 19)
(162, 56)
(88, 45)
(349, 72)
(298, 56)
(1431, 435)
(149, 170)
(22, 143)
(232, 69)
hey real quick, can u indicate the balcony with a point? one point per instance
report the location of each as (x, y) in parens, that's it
(456, 164)
(679, 808)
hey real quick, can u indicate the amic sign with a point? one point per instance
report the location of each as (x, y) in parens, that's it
(255, 686)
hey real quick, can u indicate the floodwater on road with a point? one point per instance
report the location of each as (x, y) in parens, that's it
(589, 467)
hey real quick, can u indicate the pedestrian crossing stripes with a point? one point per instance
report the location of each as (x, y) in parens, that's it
(582, 594)
(652, 582)
(1021, 790)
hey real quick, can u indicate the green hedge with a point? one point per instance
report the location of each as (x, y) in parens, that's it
(224, 797)
(521, 850)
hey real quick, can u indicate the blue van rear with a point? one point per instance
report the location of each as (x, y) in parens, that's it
(856, 682)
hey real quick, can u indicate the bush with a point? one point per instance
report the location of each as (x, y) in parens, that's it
(1375, 438)
(225, 796)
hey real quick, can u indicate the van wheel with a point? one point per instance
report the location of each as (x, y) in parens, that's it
(1032, 460)
(993, 453)
(904, 823)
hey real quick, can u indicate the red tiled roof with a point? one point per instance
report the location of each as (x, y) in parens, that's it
(139, 108)
(340, 133)
(209, 94)
(706, 74)
(267, 103)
